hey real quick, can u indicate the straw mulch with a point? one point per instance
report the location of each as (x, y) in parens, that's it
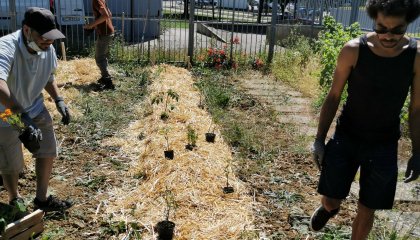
(195, 178)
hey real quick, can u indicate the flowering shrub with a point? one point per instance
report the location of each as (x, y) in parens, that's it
(13, 119)
(257, 63)
(216, 58)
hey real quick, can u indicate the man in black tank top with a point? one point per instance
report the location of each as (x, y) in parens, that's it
(380, 68)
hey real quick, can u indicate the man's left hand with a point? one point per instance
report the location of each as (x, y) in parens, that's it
(63, 110)
(413, 168)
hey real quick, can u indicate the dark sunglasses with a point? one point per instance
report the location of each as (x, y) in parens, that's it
(395, 31)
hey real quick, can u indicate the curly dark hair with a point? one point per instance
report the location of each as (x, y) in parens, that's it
(408, 8)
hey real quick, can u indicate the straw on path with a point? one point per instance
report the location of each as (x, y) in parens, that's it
(195, 178)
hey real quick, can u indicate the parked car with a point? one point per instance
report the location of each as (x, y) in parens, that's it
(204, 3)
(286, 16)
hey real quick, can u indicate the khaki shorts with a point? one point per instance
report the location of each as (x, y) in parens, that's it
(11, 156)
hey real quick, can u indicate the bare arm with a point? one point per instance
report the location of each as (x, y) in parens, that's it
(105, 15)
(345, 62)
(7, 99)
(414, 110)
(52, 89)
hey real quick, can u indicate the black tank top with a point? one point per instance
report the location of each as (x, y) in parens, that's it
(377, 89)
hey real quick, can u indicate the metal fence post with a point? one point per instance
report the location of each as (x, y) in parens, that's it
(232, 31)
(122, 32)
(321, 13)
(272, 40)
(354, 11)
(12, 14)
(191, 32)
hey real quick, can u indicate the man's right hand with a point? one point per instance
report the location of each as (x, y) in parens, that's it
(32, 135)
(318, 151)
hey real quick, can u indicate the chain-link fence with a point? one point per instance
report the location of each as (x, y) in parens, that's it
(173, 30)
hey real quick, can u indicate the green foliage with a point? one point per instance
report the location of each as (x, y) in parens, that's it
(170, 202)
(296, 63)
(300, 45)
(335, 234)
(216, 95)
(329, 45)
(115, 228)
(57, 233)
(191, 135)
(165, 97)
(94, 183)
(286, 66)
(405, 117)
(165, 132)
(9, 214)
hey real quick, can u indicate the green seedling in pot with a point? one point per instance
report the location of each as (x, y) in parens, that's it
(192, 138)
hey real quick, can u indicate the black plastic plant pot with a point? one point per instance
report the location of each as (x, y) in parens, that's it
(210, 137)
(169, 154)
(190, 147)
(227, 190)
(164, 116)
(165, 230)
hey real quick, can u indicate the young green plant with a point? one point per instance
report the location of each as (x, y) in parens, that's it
(169, 153)
(227, 189)
(192, 138)
(165, 97)
(170, 202)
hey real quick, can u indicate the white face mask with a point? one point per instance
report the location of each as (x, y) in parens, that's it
(32, 44)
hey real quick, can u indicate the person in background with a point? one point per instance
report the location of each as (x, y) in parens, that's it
(105, 32)
(27, 65)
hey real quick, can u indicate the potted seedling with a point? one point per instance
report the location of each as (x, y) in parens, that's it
(210, 135)
(165, 97)
(165, 228)
(169, 153)
(227, 189)
(192, 138)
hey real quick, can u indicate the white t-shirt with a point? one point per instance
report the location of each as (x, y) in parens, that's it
(26, 74)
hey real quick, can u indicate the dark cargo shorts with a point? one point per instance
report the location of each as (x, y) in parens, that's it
(378, 170)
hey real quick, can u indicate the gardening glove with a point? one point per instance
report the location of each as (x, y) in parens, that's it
(32, 135)
(318, 151)
(413, 168)
(63, 110)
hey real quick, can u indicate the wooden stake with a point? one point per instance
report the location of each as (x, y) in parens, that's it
(63, 51)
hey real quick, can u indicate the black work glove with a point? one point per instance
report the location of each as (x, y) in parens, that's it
(63, 110)
(413, 168)
(32, 135)
(318, 151)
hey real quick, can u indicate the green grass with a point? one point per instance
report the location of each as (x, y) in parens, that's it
(169, 23)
